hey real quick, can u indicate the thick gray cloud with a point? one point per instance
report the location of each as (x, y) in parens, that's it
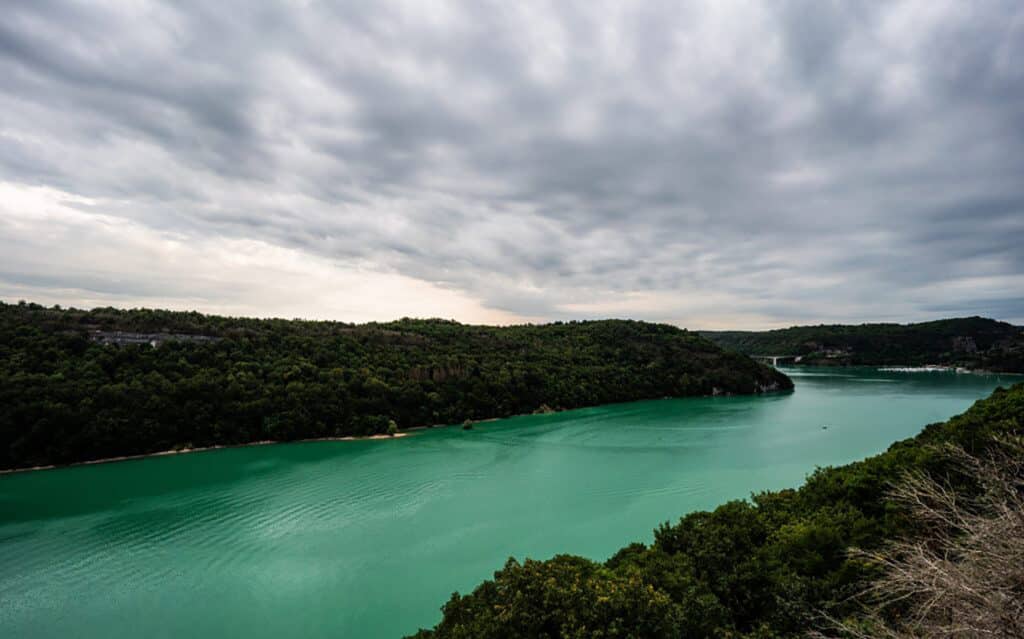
(708, 164)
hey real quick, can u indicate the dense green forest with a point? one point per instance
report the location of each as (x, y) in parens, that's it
(775, 566)
(972, 342)
(74, 386)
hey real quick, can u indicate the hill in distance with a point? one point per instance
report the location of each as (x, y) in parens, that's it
(970, 342)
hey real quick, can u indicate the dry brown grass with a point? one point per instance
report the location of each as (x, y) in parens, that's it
(962, 575)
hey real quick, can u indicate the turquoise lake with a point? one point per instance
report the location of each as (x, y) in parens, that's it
(370, 538)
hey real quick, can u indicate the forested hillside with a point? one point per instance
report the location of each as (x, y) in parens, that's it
(80, 385)
(780, 565)
(973, 342)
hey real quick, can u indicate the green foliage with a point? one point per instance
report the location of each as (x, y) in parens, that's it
(973, 342)
(764, 568)
(568, 597)
(64, 397)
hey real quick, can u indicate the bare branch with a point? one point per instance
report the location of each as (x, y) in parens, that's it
(962, 575)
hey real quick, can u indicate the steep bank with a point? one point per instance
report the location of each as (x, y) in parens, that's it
(82, 385)
(970, 342)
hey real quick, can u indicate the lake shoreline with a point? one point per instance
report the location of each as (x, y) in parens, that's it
(901, 368)
(203, 449)
(408, 432)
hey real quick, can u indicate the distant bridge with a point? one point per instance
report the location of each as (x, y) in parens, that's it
(776, 359)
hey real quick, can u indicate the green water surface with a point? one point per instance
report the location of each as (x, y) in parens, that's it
(369, 538)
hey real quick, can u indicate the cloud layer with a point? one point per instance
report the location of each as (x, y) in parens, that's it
(708, 164)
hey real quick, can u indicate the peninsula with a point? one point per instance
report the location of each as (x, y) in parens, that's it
(85, 385)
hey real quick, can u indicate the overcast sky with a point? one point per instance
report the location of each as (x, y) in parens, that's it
(709, 164)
